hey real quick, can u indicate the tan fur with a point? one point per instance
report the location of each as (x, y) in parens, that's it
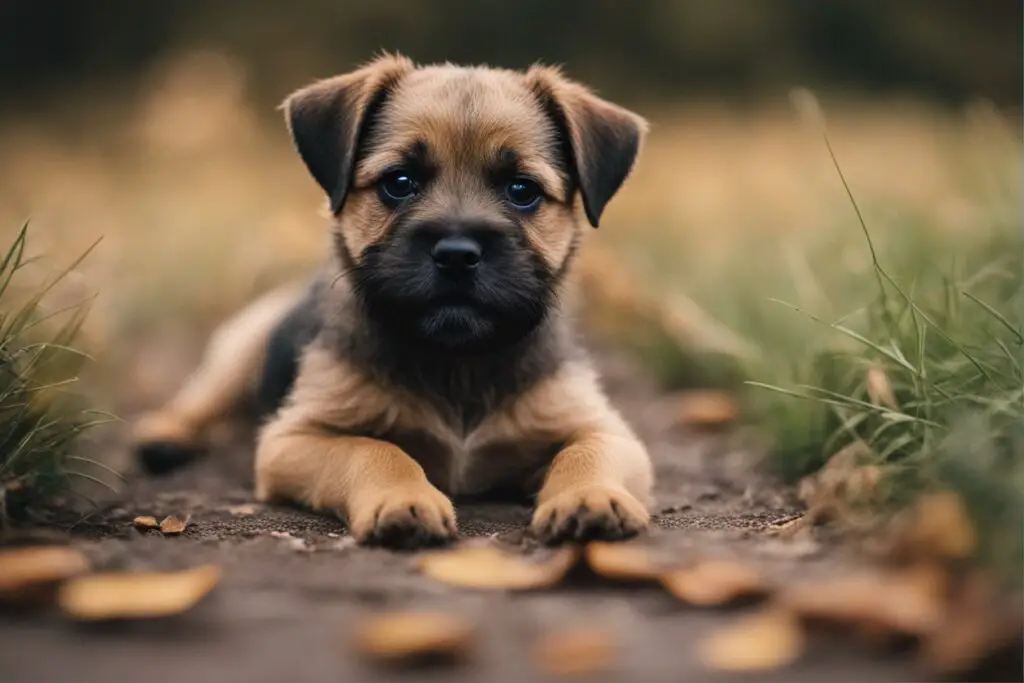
(225, 376)
(601, 464)
(497, 107)
(381, 456)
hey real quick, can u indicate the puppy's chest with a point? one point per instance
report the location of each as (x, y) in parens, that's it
(478, 462)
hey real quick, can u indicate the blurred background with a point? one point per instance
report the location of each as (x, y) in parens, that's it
(875, 346)
(154, 127)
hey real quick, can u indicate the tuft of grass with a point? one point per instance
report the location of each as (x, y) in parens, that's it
(41, 418)
(932, 381)
(907, 336)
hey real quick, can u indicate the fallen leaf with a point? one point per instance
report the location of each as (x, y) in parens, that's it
(488, 568)
(930, 581)
(707, 408)
(173, 524)
(621, 561)
(242, 510)
(405, 637)
(927, 578)
(714, 582)
(27, 574)
(967, 641)
(137, 595)
(769, 639)
(905, 602)
(578, 652)
(146, 522)
(979, 623)
(845, 489)
(937, 526)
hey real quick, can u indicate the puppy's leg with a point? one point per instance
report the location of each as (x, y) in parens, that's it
(599, 484)
(597, 487)
(174, 434)
(382, 492)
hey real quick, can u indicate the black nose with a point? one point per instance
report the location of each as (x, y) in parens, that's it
(456, 254)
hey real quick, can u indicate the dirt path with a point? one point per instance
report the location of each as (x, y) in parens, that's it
(294, 585)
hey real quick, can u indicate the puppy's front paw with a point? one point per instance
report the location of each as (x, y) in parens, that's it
(590, 513)
(409, 517)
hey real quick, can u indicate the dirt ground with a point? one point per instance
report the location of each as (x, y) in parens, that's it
(294, 585)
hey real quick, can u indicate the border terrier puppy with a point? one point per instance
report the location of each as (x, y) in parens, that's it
(433, 355)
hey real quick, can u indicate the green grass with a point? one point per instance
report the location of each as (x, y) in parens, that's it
(947, 335)
(41, 417)
(936, 312)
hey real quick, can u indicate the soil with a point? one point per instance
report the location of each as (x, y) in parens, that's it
(295, 585)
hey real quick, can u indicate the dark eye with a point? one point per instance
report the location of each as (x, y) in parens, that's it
(397, 186)
(523, 194)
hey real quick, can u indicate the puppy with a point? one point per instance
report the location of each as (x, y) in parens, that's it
(433, 356)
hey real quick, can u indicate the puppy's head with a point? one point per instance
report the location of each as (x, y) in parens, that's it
(454, 190)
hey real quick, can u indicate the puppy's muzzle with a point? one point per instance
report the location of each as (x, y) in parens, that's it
(457, 255)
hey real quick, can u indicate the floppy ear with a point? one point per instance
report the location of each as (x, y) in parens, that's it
(328, 119)
(604, 138)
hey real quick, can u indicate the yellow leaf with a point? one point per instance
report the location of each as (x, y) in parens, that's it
(24, 570)
(938, 526)
(714, 582)
(146, 522)
(621, 561)
(488, 568)
(173, 524)
(980, 623)
(770, 639)
(409, 636)
(137, 595)
(906, 602)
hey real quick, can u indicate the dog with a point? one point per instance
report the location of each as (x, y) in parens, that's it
(434, 356)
